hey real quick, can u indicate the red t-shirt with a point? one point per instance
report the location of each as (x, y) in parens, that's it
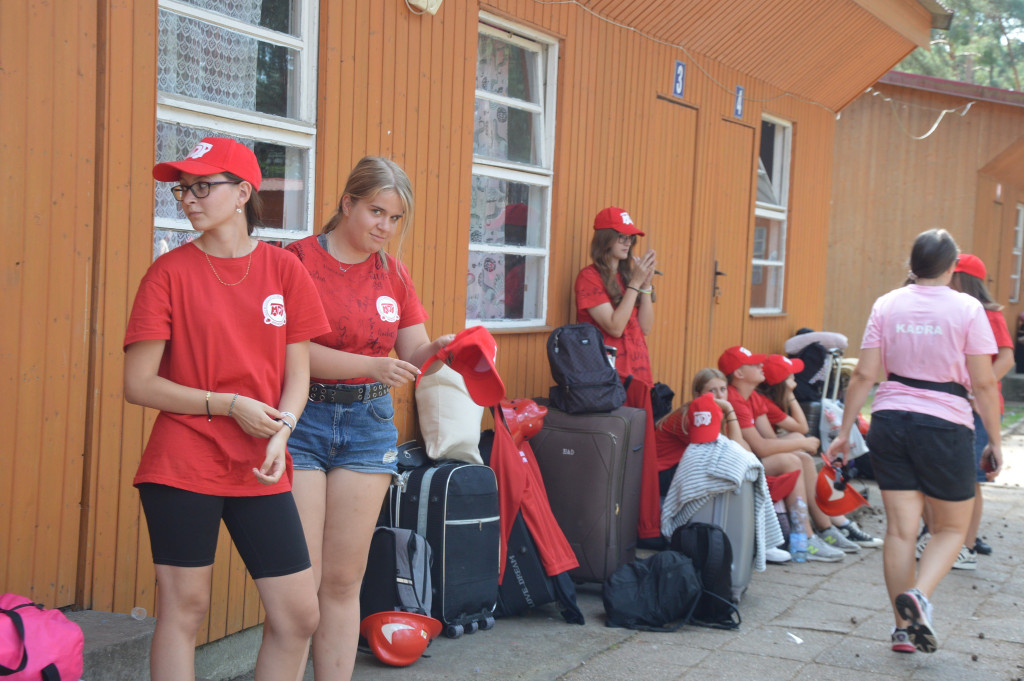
(744, 408)
(366, 305)
(671, 439)
(762, 404)
(1003, 340)
(632, 356)
(228, 339)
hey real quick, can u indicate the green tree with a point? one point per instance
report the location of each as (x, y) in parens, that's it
(984, 45)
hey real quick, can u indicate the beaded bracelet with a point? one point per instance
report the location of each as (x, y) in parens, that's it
(209, 416)
(232, 405)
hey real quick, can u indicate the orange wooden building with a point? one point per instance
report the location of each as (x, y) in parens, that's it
(711, 122)
(966, 176)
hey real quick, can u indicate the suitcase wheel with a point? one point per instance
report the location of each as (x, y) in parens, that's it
(454, 630)
(487, 624)
(474, 626)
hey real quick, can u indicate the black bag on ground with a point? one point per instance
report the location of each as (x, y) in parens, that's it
(711, 552)
(652, 593)
(579, 365)
(661, 401)
(397, 573)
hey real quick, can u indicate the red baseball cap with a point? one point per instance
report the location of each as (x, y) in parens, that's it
(617, 219)
(472, 353)
(836, 497)
(703, 419)
(736, 357)
(211, 156)
(777, 368)
(971, 264)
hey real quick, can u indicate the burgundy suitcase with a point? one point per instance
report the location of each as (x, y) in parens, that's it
(591, 465)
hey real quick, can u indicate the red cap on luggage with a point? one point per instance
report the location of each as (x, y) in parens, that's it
(472, 353)
(835, 496)
(777, 368)
(703, 419)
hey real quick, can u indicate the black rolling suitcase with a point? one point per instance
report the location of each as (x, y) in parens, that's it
(455, 506)
(591, 465)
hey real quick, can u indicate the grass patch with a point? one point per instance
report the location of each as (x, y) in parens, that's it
(1014, 412)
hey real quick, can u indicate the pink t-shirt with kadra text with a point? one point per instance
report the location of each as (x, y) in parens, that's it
(926, 332)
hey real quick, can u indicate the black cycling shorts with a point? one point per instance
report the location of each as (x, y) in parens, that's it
(183, 529)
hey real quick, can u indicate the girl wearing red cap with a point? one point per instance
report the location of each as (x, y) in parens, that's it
(218, 341)
(616, 295)
(345, 449)
(934, 346)
(969, 277)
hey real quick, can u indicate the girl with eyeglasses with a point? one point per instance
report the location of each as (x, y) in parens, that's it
(615, 293)
(218, 341)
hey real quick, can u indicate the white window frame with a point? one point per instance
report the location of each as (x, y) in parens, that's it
(538, 175)
(296, 132)
(1018, 254)
(782, 156)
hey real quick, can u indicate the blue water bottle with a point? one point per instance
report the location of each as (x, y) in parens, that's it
(797, 537)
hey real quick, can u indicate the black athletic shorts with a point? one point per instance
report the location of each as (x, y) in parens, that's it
(912, 451)
(183, 529)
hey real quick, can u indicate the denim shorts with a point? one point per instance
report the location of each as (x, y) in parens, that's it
(359, 437)
(980, 442)
(913, 451)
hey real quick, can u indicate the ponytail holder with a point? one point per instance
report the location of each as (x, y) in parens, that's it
(911, 276)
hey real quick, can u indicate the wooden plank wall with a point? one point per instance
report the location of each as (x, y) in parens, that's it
(390, 83)
(887, 188)
(48, 155)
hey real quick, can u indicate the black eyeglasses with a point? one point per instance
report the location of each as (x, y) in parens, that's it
(200, 190)
(627, 239)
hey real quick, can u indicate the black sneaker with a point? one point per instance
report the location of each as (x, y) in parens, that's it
(982, 548)
(913, 605)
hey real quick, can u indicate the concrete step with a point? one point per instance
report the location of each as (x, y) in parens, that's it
(116, 645)
(117, 649)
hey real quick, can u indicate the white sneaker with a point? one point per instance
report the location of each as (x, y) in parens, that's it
(852, 531)
(777, 555)
(817, 549)
(836, 539)
(922, 541)
(967, 560)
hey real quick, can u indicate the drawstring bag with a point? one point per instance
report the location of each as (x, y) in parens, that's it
(37, 644)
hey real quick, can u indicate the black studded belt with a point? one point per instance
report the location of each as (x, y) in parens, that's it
(343, 393)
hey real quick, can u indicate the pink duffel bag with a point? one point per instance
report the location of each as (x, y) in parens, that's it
(38, 644)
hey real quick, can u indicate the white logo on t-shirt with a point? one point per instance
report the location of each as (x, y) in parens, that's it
(702, 418)
(387, 308)
(201, 149)
(920, 329)
(273, 310)
(626, 220)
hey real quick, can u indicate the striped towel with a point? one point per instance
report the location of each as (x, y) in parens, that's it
(720, 467)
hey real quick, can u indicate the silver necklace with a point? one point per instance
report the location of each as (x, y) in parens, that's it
(330, 252)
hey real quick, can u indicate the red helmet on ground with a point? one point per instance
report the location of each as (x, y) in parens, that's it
(399, 638)
(835, 496)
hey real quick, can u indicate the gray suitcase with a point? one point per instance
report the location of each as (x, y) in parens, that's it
(734, 513)
(591, 465)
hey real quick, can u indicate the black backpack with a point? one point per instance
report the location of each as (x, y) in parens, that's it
(651, 593)
(709, 548)
(579, 364)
